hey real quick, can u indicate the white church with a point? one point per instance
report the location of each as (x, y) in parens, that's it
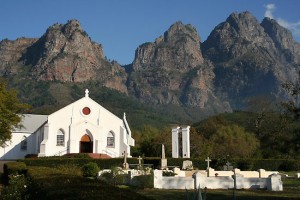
(81, 127)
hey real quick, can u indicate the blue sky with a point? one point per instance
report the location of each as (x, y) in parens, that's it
(122, 25)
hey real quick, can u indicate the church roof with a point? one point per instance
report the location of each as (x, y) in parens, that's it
(30, 123)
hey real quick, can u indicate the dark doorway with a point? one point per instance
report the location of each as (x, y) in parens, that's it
(86, 145)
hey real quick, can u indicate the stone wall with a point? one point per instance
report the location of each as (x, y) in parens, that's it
(272, 183)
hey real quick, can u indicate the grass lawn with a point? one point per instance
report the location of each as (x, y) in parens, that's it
(291, 191)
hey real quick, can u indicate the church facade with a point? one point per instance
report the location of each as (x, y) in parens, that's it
(81, 127)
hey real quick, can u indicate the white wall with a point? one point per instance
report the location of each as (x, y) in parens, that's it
(272, 183)
(13, 151)
(171, 182)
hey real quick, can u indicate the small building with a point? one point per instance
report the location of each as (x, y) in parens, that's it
(81, 127)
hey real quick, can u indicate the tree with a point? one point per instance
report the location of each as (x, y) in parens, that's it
(234, 141)
(10, 110)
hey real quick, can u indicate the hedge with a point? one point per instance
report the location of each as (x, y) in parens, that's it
(15, 168)
(154, 162)
(50, 183)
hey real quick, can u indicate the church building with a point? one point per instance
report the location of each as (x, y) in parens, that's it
(81, 127)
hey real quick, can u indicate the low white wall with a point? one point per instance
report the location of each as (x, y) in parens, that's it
(178, 183)
(216, 182)
(261, 173)
(172, 182)
(272, 183)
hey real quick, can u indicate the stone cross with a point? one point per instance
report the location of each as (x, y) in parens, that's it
(125, 164)
(228, 164)
(163, 153)
(86, 93)
(140, 162)
(207, 160)
(125, 157)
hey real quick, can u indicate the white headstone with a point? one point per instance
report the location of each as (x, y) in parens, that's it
(187, 165)
(207, 160)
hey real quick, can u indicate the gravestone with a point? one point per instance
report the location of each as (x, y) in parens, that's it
(125, 164)
(140, 163)
(208, 161)
(187, 165)
(163, 161)
(228, 167)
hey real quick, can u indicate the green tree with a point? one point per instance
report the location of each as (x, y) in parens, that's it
(234, 141)
(10, 110)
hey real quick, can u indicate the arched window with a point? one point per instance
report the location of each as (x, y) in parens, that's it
(60, 138)
(110, 139)
(24, 143)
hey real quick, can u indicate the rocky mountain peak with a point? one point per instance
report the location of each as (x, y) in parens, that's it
(178, 29)
(249, 55)
(283, 39)
(171, 70)
(178, 48)
(72, 26)
(64, 53)
(234, 37)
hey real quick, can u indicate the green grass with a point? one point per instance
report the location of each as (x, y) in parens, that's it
(54, 183)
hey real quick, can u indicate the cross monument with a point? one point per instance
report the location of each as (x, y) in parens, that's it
(140, 162)
(125, 164)
(207, 160)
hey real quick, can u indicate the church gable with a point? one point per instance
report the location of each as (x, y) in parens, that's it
(82, 110)
(86, 127)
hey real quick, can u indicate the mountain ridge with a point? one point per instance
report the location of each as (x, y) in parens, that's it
(241, 58)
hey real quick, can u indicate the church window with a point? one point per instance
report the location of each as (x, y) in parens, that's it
(86, 110)
(60, 138)
(24, 143)
(111, 139)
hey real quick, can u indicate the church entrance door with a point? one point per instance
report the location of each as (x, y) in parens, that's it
(86, 145)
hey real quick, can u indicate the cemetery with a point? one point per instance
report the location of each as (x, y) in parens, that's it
(189, 178)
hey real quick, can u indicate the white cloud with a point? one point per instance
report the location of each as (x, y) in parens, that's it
(270, 9)
(294, 27)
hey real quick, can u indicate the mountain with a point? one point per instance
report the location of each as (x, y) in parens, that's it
(65, 53)
(251, 59)
(177, 74)
(172, 70)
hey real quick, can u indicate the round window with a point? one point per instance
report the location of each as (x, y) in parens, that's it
(86, 110)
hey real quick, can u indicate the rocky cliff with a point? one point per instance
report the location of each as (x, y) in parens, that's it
(172, 70)
(11, 52)
(242, 58)
(65, 53)
(251, 59)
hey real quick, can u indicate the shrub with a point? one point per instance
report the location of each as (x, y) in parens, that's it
(115, 176)
(69, 169)
(90, 169)
(143, 181)
(16, 189)
(245, 164)
(168, 173)
(13, 168)
(289, 165)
